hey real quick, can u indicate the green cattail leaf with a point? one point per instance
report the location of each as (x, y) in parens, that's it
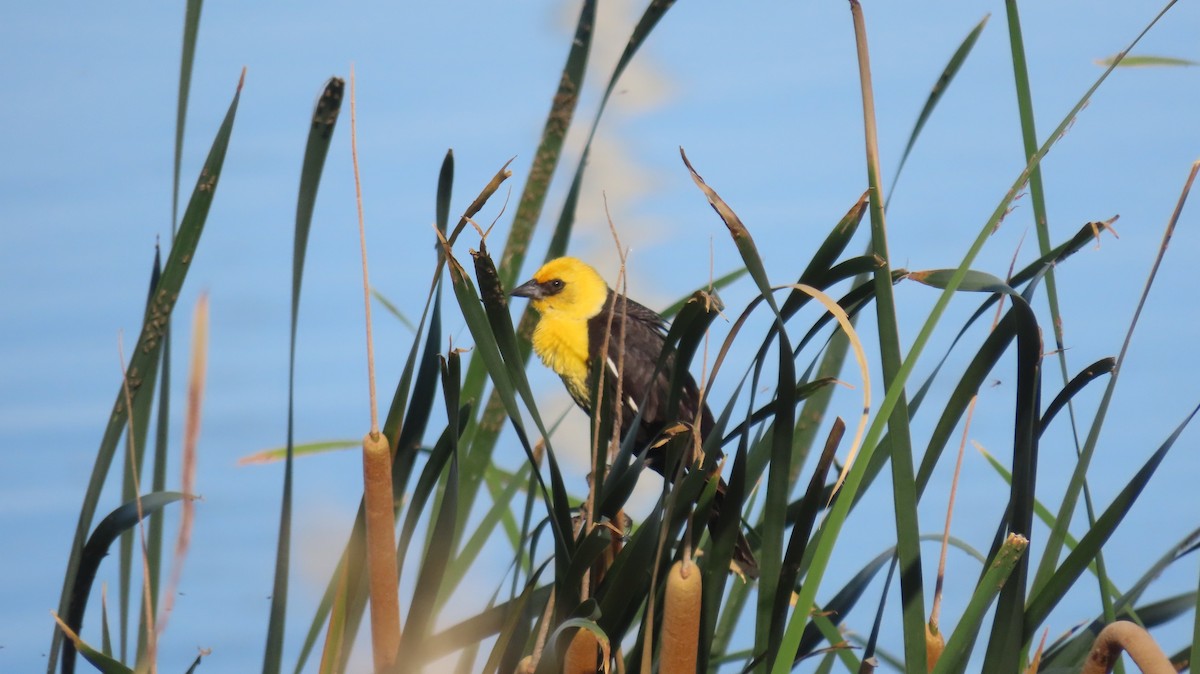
(320, 133)
(1131, 61)
(118, 521)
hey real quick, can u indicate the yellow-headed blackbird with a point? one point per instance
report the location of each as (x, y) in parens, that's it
(574, 303)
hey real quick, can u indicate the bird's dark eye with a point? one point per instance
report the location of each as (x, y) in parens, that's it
(556, 284)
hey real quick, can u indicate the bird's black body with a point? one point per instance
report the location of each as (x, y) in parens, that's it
(625, 341)
(644, 385)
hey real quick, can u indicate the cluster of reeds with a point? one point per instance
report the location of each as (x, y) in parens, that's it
(586, 590)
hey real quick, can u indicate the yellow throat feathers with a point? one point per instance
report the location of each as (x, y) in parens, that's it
(561, 336)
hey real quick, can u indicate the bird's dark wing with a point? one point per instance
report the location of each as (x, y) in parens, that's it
(641, 388)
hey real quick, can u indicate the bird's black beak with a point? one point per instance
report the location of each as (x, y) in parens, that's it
(530, 289)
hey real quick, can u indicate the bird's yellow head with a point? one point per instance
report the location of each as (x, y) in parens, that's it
(565, 288)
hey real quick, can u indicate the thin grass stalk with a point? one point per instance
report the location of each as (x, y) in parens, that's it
(135, 448)
(148, 660)
(1037, 195)
(191, 438)
(908, 549)
(1194, 649)
(191, 27)
(161, 447)
(1055, 541)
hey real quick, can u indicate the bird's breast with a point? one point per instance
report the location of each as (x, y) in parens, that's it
(563, 347)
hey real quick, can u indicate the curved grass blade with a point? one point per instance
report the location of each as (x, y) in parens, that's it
(1009, 621)
(1149, 615)
(320, 133)
(148, 345)
(96, 549)
(837, 516)
(100, 661)
(819, 271)
(1078, 382)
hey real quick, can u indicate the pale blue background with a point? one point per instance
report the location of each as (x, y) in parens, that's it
(764, 97)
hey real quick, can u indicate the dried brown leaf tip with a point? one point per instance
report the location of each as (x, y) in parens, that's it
(1105, 226)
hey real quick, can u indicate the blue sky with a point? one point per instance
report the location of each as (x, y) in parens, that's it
(764, 98)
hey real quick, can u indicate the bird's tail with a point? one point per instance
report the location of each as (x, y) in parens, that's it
(744, 563)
